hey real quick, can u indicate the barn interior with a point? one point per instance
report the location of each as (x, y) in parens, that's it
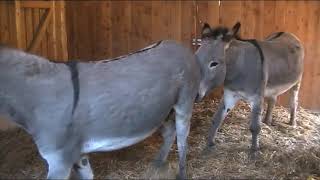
(96, 30)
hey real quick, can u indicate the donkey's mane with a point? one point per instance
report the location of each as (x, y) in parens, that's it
(135, 52)
(217, 32)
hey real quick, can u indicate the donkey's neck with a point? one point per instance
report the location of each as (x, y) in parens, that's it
(234, 51)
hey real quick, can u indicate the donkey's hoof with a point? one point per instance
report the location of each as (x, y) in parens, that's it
(268, 122)
(180, 177)
(293, 124)
(208, 150)
(160, 164)
(254, 154)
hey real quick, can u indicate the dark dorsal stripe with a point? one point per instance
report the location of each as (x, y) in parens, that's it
(276, 36)
(75, 82)
(139, 51)
(255, 43)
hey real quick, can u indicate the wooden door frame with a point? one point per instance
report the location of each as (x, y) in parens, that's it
(55, 12)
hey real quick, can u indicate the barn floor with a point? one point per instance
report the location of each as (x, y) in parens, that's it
(286, 152)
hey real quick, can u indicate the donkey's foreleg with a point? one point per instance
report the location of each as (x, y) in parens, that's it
(83, 169)
(271, 103)
(255, 126)
(228, 102)
(168, 133)
(294, 92)
(183, 116)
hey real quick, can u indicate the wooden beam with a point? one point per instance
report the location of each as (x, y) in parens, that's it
(63, 31)
(41, 30)
(18, 23)
(36, 4)
(54, 30)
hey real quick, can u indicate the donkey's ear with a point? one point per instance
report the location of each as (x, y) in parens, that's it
(235, 29)
(206, 30)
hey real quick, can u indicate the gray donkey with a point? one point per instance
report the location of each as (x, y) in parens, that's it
(72, 109)
(250, 70)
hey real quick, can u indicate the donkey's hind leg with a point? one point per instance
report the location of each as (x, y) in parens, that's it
(168, 133)
(83, 169)
(294, 92)
(268, 117)
(59, 166)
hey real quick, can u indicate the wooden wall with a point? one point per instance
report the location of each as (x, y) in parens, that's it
(7, 23)
(102, 29)
(52, 43)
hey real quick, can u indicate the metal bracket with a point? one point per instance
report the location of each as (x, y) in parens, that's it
(196, 42)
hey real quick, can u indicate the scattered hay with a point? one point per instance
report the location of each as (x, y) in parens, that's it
(286, 152)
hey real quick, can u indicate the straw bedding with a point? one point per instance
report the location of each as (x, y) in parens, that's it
(286, 152)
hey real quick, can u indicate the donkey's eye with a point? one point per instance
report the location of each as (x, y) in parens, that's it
(213, 64)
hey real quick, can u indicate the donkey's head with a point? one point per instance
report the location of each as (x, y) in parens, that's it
(211, 55)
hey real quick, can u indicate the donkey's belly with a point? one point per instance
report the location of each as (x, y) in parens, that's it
(98, 144)
(277, 90)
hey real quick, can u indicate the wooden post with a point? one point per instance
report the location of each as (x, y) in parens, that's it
(54, 29)
(44, 22)
(63, 31)
(18, 23)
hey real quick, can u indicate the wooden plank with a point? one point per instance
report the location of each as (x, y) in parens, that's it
(202, 16)
(4, 24)
(159, 20)
(313, 55)
(36, 4)
(29, 27)
(53, 28)
(251, 23)
(280, 14)
(49, 37)
(269, 18)
(316, 104)
(12, 24)
(36, 20)
(166, 20)
(18, 17)
(213, 13)
(71, 32)
(44, 42)
(62, 30)
(187, 23)
(82, 27)
(103, 30)
(230, 13)
(141, 24)
(121, 27)
(41, 30)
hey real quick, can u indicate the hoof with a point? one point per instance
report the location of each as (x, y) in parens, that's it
(159, 171)
(179, 177)
(293, 124)
(208, 150)
(254, 154)
(269, 122)
(160, 164)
